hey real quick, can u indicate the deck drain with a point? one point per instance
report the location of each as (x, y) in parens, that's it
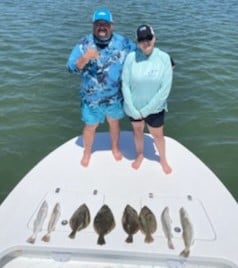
(177, 229)
(57, 190)
(64, 222)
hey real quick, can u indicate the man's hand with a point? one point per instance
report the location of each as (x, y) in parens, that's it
(91, 53)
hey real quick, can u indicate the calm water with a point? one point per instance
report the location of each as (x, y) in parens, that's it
(39, 103)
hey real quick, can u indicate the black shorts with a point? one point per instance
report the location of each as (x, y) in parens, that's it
(153, 120)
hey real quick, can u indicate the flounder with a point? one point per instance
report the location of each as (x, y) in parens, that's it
(79, 220)
(104, 223)
(148, 223)
(130, 222)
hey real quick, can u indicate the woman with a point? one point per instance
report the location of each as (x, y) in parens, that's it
(146, 84)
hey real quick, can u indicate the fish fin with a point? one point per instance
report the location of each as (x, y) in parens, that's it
(80, 227)
(148, 238)
(72, 234)
(31, 239)
(101, 240)
(46, 237)
(185, 253)
(129, 239)
(170, 244)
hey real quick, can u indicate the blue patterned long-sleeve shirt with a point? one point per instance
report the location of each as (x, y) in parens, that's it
(101, 77)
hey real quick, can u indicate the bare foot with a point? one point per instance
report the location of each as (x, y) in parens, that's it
(85, 159)
(136, 164)
(117, 154)
(166, 168)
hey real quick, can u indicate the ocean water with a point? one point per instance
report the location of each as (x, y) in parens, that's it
(39, 101)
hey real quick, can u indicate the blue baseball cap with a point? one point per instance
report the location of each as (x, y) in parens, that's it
(102, 14)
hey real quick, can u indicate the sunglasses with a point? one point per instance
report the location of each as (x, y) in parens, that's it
(102, 24)
(145, 38)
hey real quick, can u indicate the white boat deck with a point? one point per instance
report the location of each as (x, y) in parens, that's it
(60, 178)
(55, 263)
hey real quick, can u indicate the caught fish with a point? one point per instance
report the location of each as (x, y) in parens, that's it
(148, 223)
(188, 233)
(52, 222)
(167, 227)
(38, 222)
(130, 222)
(79, 220)
(104, 223)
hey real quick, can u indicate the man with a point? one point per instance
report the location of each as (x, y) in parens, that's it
(99, 58)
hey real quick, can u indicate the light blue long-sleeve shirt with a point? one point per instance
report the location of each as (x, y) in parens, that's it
(146, 83)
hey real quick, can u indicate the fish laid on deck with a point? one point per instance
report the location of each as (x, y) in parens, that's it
(38, 222)
(148, 223)
(188, 232)
(79, 220)
(104, 223)
(167, 226)
(130, 222)
(52, 222)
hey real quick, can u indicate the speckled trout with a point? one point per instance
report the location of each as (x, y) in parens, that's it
(188, 233)
(52, 222)
(38, 222)
(167, 226)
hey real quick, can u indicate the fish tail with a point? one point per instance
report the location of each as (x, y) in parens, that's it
(46, 237)
(149, 238)
(170, 244)
(72, 234)
(185, 253)
(101, 240)
(31, 239)
(129, 239)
